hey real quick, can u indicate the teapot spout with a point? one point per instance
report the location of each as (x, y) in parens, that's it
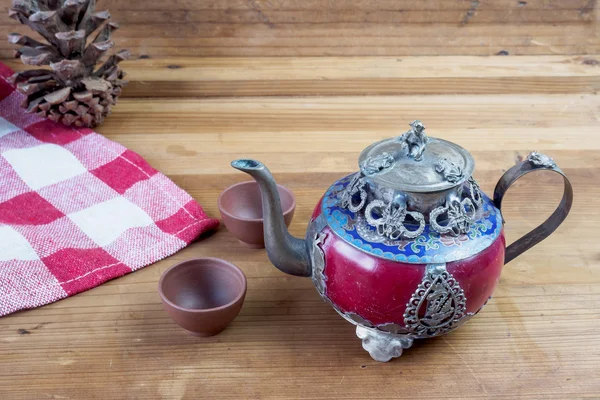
(287, 253)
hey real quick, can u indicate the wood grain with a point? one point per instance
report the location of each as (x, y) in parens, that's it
(347, 28)
(331, 76)
(536, 339)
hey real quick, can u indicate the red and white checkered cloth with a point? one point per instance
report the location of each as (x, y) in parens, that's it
(77, 209)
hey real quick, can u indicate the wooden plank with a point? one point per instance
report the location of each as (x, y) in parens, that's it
(335, 76)
(340, 30)
(355, 28)
(146, 49)
(344, 41)
(355, 115)
(274, 17)
(459, 12)
(429, 5)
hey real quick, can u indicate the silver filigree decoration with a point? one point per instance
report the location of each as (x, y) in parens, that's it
(475, 192)
(541, 160)
(357, 319)
(389, 219)
(354, 196)
(389, 327)
(392, 328)
(318, 263)
(377, 164)
(437, 306)
(364, 231)
(382, 346)
(459, 217)
(449, 170)
(416, 140)
(464, 319)
(393, 221)
(459, 214)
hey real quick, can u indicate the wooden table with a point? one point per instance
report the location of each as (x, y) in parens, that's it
(308, 119)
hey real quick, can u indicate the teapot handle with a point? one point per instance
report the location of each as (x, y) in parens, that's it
(535, 161)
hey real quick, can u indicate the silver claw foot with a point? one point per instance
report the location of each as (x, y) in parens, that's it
(382, 346)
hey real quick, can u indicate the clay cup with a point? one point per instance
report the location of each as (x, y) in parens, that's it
(241, 211)
(203, 295)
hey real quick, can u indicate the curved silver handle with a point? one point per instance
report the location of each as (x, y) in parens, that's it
(535, 161)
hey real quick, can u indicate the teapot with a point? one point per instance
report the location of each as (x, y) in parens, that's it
(408, 247)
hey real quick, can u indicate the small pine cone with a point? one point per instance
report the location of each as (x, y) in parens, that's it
(72, 91)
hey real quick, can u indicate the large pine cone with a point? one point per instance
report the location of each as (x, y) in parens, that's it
(70, 91)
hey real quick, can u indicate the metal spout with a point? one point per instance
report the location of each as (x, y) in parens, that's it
(287, 253)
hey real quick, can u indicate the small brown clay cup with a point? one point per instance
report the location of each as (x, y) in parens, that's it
(203, 295)
(241, 211)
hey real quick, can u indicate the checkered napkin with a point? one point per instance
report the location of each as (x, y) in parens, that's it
(77, 209)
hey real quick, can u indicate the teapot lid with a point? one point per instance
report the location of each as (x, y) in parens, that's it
(416, 163)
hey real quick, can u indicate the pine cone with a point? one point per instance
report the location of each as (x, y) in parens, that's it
(70, 91)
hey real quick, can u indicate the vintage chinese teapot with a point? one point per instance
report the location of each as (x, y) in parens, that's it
(408, 247)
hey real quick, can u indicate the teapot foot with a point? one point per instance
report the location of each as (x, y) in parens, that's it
(382, 346)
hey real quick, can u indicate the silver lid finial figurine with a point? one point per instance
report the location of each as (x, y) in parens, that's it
(415, 139)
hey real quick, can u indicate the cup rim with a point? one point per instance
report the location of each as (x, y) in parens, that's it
(289, 210)
(230, 266)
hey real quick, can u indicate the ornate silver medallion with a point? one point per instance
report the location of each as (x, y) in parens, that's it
(315, 238)
(318, 263)
(437, 306)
